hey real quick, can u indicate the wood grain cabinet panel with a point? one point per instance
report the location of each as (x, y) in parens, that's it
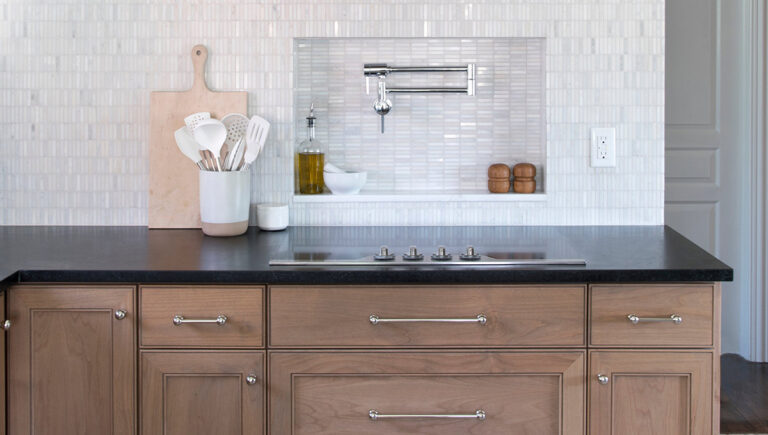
(241, 307)
(646, 392)
(516, 316)
(695, 304)
(72, 360)
(334, 393)
(2, 363)
(202, 393)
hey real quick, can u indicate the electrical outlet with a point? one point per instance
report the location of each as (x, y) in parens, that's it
(603, 153)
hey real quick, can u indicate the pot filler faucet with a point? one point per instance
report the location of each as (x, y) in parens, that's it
(383, 105)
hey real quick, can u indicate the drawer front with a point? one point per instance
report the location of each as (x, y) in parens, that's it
(426, 393)
(653, 315)
(450, 316)
(183, 316)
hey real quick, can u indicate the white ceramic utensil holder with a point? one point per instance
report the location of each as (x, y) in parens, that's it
(225, 201)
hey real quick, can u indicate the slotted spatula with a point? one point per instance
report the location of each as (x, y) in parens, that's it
(255, 136)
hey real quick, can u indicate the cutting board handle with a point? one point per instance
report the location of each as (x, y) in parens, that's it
(199, 57)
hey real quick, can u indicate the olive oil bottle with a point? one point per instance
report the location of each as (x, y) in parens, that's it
(311, 159)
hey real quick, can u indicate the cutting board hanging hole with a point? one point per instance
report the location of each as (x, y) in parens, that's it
(199, 58)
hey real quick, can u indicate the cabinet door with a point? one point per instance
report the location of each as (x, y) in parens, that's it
(215, 392)
(447, 393)
(659, 393)
(72, 360)
(5, 324)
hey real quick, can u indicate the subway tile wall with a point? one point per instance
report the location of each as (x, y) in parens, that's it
(433, 143)
(75, 78)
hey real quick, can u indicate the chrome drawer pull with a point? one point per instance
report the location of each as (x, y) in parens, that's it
(480, 318)
(219, 320)
(478, 415)
(674, 318)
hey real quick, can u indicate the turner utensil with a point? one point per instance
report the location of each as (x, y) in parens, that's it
(189, 147)
(211, 133)
(192, 120)
(255, 136)
(234, 156)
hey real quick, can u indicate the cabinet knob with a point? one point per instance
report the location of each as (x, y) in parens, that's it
(251, 380)
(7, 325)
(120, 314)
(602, 379)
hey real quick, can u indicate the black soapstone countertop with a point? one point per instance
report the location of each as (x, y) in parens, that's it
(139, 255)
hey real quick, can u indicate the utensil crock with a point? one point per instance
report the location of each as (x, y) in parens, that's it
(225, 200)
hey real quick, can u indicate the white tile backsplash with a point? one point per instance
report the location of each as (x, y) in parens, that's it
(432, 142)
(75, 78)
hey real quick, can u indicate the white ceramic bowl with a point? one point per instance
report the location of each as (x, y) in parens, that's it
(348, 183)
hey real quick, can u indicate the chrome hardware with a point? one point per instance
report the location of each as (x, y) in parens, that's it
(120, 314)
(480, 318)
(441, 255)
(384, 255)
(220, 320)
(7, 325)
(478, 415)
(413, 255)
(251, 379)
(383, 105)
(602, 379)
(674, 318)
(470, 255)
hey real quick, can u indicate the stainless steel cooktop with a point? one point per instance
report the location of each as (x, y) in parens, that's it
(440, 258)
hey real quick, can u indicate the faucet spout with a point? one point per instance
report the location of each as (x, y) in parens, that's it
(382, 105)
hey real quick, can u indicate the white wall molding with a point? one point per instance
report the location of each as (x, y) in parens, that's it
(759, 197)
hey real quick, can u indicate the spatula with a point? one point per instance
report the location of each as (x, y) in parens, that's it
(211, 134)
(255, 136)
(189, 146)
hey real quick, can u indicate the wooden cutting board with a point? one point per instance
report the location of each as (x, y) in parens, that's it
(173, 178)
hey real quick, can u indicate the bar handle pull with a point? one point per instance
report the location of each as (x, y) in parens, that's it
(179, 320)
(375, 415)
(674, 318)
(480, 319)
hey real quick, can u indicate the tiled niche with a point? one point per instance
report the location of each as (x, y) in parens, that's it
(434, 145)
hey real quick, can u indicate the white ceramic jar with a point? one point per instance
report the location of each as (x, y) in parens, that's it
(225, 202)
(272, 217)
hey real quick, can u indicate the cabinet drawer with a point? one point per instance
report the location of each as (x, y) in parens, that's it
(367, 393)
(183, 316)
(450, 316)
(679, 315)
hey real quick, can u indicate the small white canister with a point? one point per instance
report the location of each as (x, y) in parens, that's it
(225, 201)
(272, 217)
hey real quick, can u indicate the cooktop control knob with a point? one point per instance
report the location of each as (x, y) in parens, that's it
(413, 255)
(470, 255)
(441, 255)
(384, 255)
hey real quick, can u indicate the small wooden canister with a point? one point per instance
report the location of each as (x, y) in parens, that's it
(498, 178)
(525, 178)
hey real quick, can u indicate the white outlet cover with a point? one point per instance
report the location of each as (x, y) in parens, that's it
(603, 148)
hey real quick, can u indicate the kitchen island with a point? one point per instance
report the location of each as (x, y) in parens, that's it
(125, 330)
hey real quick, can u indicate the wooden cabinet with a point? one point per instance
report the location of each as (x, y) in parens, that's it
(659, 315)
(72, 360)
(202, 392)
(201, 316)
(653, 392)
(367, 393)
(428, 316)
(5, 326)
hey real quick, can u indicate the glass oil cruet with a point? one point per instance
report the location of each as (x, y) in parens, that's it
(311, 158)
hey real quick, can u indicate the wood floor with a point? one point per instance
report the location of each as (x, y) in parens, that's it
(744, 396)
